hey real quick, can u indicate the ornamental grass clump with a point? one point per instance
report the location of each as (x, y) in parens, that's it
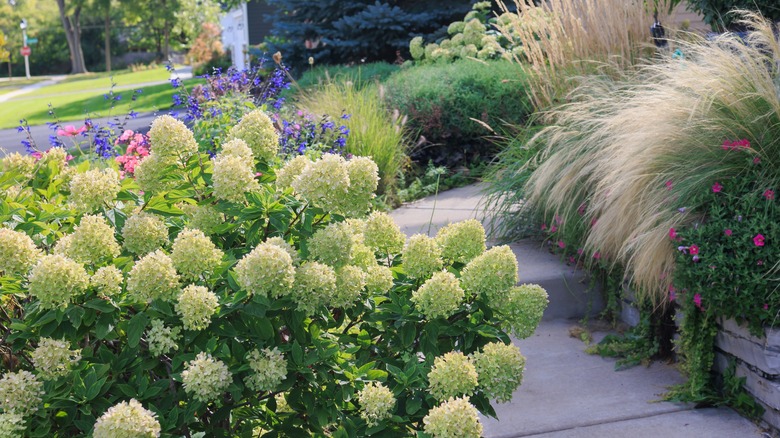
(626, 163)
(278, 302)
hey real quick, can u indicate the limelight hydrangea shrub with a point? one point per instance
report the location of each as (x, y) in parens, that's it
(144, 233)
(54, 358)
(127, 420)
(452, 375)
(232, 295)
(18, 252)
(474, 37)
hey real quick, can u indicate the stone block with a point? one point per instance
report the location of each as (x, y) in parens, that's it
(762, 354)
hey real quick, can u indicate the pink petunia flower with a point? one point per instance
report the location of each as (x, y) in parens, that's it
(728, 232)
(561, 244)
(672, 233)
(697, 300)
(668, 185)
(693, 250)
(597, 255)
(758, 240)
(769, 194)
(756, 160)
(766, 306)
(544, 227)
(553, 228)
(717, 187)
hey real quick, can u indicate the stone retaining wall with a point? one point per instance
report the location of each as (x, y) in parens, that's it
(757, 359)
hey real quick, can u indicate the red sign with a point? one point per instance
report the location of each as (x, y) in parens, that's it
(25, 51)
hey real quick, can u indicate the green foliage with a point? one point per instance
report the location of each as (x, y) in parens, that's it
(345, 32)
(473, 37)
(360, 75)
(637, 346)
(719, 13)
(727, 257)
(220, 62)
(444, 100)
(289, 362)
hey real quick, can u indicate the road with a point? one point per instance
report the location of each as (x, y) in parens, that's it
(11, 139)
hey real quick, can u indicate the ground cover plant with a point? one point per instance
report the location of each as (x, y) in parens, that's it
(242, 296)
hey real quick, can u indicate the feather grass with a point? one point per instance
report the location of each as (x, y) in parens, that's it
(622, 140)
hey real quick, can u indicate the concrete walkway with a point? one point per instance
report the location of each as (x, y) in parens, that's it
(567, 393)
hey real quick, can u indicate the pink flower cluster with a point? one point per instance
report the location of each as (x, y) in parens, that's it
(137, 150)
(71, 131)
(735, 145)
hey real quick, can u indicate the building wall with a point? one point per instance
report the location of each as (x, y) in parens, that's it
(235, 35)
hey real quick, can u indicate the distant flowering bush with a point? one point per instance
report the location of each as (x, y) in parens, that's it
(225, 296)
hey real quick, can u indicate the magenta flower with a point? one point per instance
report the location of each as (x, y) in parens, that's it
(544, 227)
(758, 240)
(697, 300)
(756, 160)
(766, 306)
(597, 255)
(769, 194)
(728, 232)
(672, 295)
(553, 228)
(672, 233)
(736, 144)
(668, 185)
(561, 244)
(717, 187)
(693, 250)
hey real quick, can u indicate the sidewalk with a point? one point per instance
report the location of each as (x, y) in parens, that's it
(32, 87)
(567, 393)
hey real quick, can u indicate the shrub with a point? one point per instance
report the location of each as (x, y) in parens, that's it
(194, 339)
(442, 99)
(355, 31)
(720, 13)
(474, 37)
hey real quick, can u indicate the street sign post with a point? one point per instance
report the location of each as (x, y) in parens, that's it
(31, 41)
(25, 49)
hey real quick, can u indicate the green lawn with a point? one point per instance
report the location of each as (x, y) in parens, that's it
(16, 83)
(102, 81)
(77, 105)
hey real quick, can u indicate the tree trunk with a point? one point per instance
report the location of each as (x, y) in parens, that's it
(107, 30)
(73, 35)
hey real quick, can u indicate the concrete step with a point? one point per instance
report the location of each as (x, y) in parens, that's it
(569, 393)
(572, 294)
